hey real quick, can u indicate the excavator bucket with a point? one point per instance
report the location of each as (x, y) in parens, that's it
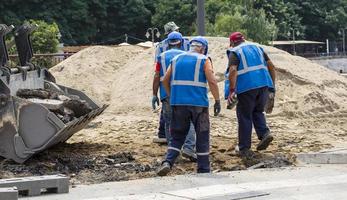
(35, 112)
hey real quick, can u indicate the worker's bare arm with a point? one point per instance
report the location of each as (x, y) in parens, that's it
(232, 76)
(211, 79)
(166, 81)
(156, 82)
(272, 70)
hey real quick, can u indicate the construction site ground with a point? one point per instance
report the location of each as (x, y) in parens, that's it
(310, 114)
(312, 182)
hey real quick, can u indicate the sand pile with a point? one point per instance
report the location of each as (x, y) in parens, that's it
(92, 69)
(303, 87)
(122, 77)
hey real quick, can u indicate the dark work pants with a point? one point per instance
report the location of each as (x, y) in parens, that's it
(189, 144)
(250, 111)
(180, 123)
(161, 130)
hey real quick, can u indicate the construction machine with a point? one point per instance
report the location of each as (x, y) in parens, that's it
(36, 113)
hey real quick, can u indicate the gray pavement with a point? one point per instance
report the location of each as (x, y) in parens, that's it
(330, 156)
(306, 182)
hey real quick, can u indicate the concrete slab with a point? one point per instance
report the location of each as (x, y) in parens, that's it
(9, 193)
(285, 183)
(329, 156)
(36, 185)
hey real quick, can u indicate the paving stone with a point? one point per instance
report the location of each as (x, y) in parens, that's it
(10, 193)
(37, 185)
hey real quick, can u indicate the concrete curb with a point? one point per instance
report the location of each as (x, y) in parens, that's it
(332, 156)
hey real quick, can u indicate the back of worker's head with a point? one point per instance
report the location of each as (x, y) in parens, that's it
(199, 45)
(170, 27)
(174, 39)
(236, 38)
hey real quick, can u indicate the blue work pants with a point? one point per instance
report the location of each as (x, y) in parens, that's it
(161, 129)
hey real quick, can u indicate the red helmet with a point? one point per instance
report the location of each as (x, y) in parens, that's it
(236, 37)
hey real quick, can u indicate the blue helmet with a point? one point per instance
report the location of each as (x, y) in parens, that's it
(174, 38)
(202, 41)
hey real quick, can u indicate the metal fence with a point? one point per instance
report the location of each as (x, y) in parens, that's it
(323, 55)
(41, 60)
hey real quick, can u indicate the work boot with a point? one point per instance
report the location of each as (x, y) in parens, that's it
(245, 153)
(265, 142)
(159, 140)
(189, 155)
(164, 169)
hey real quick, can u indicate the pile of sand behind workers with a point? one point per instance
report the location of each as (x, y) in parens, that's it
(92, 69)
(122, 77)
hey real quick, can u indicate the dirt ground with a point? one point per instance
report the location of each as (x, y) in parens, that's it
(124, 150)
(310, 115)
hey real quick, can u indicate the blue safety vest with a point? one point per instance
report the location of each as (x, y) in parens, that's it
(252, 72)
(165, 59)
(226, 75)
(188, 80)
(164, 46)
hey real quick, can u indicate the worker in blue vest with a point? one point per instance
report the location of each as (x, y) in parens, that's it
(163, 61)
(251, 78)
(186, 82)
(164, 45)
(160, 48)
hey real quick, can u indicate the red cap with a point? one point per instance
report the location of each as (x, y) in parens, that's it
(236, 37)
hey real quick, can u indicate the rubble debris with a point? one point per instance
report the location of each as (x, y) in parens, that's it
(36, 93)
(67, 108)
(51, 104)
(78, 107)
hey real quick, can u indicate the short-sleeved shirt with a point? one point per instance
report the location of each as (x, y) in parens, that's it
(234, 60)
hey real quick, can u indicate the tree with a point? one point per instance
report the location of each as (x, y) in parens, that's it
(45, 37)
(182, 12)
(259, 28)
(225, 24)
(284, 15)
(237, 15)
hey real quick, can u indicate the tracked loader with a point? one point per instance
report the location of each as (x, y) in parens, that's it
(36, 113)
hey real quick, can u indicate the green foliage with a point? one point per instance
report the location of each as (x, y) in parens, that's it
(45, 37)
(225, 24)
(182, 12)
(106, 21)
(284, 15)
(84, 21)
(232, 15)
(259, 28)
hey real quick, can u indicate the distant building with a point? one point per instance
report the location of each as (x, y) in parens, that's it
(303, 48)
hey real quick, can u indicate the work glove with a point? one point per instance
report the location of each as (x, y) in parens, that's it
(270, 103)
(3, 99)
(155, 100)
(232, 99)
(217, 107)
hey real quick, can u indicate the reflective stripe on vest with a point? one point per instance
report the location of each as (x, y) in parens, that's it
(188, 80)
(246, 68)
(165, 60)
(164, 46)
(252, 71)
(196, 81)
(185, 45)
(163, 66)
